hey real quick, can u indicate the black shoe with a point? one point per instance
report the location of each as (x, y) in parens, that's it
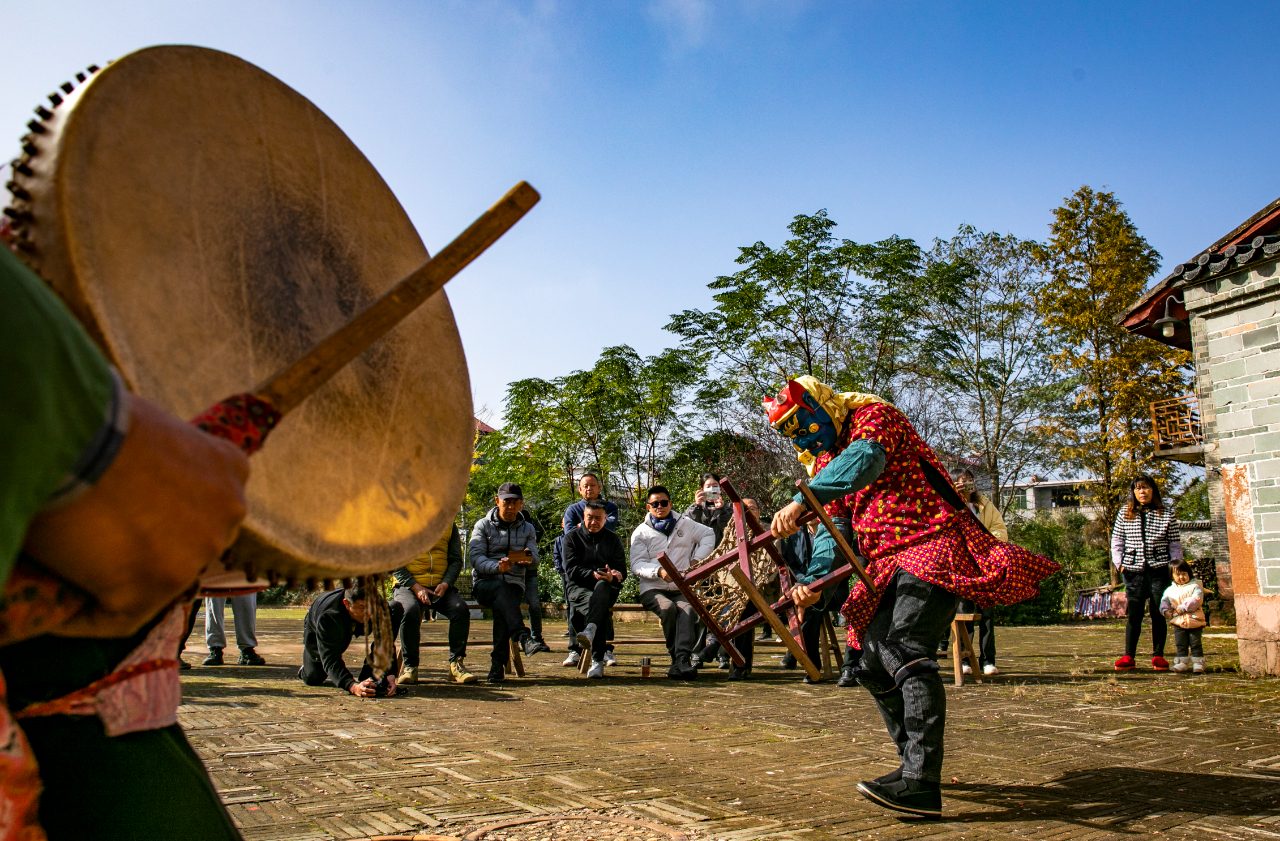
(541, 647)
(696, 661)
(530, 646)
(687, 671)
(249, 657)
(740, 673)
(914, 797)
(891, 777)
(214, 658)
(846, 677)
(788, 661)
(674, 672)
(724, 662)
(183, 664)
(497, 674)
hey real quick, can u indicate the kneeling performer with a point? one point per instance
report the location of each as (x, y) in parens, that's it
(925, 549)
(332, 621)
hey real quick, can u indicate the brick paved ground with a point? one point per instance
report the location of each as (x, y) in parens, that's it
(1057, 747)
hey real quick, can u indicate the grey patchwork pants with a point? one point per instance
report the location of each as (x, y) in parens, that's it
(679, 622)
(245, 611)
(899, 670)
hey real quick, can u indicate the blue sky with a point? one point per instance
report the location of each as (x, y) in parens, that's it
(663, 134)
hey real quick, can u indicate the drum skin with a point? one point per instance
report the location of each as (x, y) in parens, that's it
(209, 225)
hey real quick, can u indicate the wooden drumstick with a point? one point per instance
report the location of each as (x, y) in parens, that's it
(245, 419)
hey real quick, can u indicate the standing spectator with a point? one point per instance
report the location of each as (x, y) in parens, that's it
(595, 564)
(503, 545)
(708, 506)
(685, 541)
(1182, 605)
(589, 489)
(332, 621)
(244, 611)
(1143, 543)
(533, 589)
(989, 515)
(428, 581)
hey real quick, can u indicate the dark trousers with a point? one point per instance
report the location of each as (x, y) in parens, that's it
(451, 605)
(898, 669)
(745, 642)
(568, 608)
(143, 785)
(503, 598)
(1142, 591)
(1184, 638)
(593, 607)
(679, 621)
(986, 631)
(832, 600)
(533, 598)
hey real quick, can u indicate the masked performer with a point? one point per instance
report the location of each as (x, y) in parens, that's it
(925, 548)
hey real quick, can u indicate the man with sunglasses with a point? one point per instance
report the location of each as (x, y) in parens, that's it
(686, 542)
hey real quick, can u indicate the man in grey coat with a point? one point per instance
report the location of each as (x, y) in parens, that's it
(503, 547)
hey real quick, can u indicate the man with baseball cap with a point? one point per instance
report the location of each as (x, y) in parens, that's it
(503, 547)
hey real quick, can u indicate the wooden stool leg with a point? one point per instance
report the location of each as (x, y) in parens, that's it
(515, 660)
(965, 648)
(584, 664)
(822, 645)
(955, 652)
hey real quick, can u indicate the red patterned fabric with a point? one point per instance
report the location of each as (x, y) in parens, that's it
(34, 601)
(19, 780)
(902, 522)
(244, 420)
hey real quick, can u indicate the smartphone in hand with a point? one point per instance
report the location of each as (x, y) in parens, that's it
(523, 557)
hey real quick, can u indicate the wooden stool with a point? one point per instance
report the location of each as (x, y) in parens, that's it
(515, 663)
(829, 645)
(962, 648)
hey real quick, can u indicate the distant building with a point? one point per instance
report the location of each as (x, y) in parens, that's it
(1040, 493)
(1224, 306)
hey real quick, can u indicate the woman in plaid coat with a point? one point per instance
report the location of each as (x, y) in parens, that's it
(1143, 543)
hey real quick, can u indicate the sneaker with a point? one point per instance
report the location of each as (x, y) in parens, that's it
(696, 661)
(530, 645)
(610, 660)
(587, 636)
(846, 677)
(458, 671)
(811, 681)
(1197, 665)
(966, 669)
(408, 677)
(214, 658)
(542, 646)
(496, 675)
(249, 657)
(788, 661)
(1182, 664)
(597, 669)
(740, 673)
(990, 669)
(915, 797)
(1125, 664)
(1159, 664)
(183, 665)
(724, 662)
(573, 660)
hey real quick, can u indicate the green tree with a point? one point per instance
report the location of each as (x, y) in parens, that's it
(990, 363)
(1097, 265)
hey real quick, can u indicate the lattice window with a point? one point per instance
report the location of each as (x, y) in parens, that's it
(1176, 422)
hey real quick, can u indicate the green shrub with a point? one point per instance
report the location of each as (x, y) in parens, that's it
(1064, 540)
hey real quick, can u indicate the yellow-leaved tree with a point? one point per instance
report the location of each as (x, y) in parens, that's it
(1097, 265)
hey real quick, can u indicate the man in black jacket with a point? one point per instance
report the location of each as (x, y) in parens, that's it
(331, 623)
(594, 564)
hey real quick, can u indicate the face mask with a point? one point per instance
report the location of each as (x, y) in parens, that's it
(811, 428)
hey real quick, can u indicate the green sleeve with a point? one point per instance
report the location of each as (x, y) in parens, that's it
(454, 556)
(62, 411)
(857, 466)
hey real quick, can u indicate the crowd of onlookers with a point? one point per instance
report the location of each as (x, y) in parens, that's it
(593, 563)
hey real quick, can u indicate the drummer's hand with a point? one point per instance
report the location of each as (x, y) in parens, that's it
(166, 508)
(441, 589)
(505, 564)
(366, 688)
(420, 593)
(784, 522)
(802, 596)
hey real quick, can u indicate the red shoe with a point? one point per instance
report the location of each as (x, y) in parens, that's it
(1125, 664)
(1159, 664)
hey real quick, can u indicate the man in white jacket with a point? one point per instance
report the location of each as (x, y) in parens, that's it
(685, 542)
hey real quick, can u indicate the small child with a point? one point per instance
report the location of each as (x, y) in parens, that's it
(1181, 605)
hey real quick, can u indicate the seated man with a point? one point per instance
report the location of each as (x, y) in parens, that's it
(807, 567)
(503, 545)
(595, 565)
(428, 580)
(330, 624)
(685, 542)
